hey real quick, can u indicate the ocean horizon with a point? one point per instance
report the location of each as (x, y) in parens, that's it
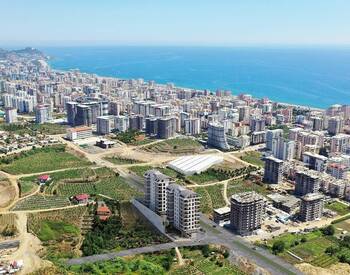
(311, 76)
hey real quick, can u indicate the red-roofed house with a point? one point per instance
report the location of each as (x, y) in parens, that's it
(82, 198)
(43, 179)
(103, 212)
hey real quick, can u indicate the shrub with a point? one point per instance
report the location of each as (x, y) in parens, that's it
(278, 247)
(329, 230)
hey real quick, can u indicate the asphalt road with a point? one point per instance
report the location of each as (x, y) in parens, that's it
(9, 244)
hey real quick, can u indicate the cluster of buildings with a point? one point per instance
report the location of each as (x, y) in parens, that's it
(13, 143)
(177, 204)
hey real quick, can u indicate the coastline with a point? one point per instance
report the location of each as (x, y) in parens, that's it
(298, 106)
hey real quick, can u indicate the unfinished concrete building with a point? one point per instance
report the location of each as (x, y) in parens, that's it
(247, 210)
(311, 207)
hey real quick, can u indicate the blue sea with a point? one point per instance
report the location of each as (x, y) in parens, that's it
(316, 77)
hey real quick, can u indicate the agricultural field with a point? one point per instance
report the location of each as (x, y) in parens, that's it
(43, 159)
(115, 188)
(8, 225)
(211, 197)
(27, 187)
(252, 157)
(33, 128)
(178, 146)
(311, 247)
(341, 208)
(59, 231)
(244, 185)
(197, 263)
(91, 181)
(36, 202)
(121, 160)
(198, 260)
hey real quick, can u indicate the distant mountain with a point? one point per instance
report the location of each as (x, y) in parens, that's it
(27, 52)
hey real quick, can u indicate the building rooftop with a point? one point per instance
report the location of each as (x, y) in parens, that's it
(222, 210)
(274, 159)
(189, 165)
(312, 197)
(247, 197)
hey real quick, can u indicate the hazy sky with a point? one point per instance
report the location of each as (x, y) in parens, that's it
(174, 22)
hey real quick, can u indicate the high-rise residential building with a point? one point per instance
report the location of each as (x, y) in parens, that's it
(115, 108)
(283, 149)
(217, 136)
(183, 209)
(317, 123)
(311, 207)
(192, 126)
(306, 181)
(10, 115)
(136, 122)
(83, 115)
(104, 125)
(166, 127)
(340, 143)
(152, 126)
(156, 185)
(273, 170)
(42, 114)
(247, 211)
(121, 123)
(315, 161)
(271, 135)
(257, 124)
(244, 113)
(335, 125)
(71, 108)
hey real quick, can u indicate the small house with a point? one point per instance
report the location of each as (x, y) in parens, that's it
(103, 212)
(81, 198)
(43, 179)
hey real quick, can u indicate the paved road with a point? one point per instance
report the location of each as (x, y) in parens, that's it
(9, 244)
(240, 247)
(134, 251)
(237, 245)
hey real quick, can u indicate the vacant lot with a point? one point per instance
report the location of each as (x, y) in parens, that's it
(7, 193)
(252, 157)
(338, 207)
(211, 197)
(8, 225)
(180, 146)
(245, 185)
(141, 170)
(121, 160)
(40, 160)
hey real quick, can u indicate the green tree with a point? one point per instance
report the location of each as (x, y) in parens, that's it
(329, 230)
(278, 247)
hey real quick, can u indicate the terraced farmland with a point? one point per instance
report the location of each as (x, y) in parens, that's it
(114, 187)
(36, 202)
(43, 159)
